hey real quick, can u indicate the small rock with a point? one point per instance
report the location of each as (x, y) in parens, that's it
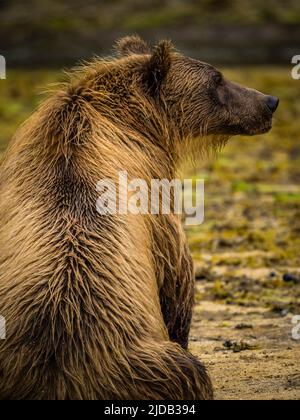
(243, 327)
(228, 344)
(238, 347)
(291, 278)
(284, 312)
(202, 274)
(280, 309)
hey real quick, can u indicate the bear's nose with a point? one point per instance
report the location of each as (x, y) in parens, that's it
(272, 103)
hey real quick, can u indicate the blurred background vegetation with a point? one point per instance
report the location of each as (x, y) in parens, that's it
(247, 251)
(51, 32)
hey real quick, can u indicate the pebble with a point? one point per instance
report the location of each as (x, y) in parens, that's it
(291, 278)
(243, 327)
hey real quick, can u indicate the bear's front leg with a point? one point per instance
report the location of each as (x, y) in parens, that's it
(177, 298)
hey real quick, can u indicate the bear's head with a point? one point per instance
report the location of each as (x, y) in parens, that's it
(197, 97)
(159, 97)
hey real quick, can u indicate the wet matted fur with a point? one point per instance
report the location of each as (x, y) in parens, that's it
(100, 307)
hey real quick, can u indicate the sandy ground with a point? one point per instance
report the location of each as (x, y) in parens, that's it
(268, 370)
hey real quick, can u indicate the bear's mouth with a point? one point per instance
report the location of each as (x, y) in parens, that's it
(253, 127)
(265, 128)
(262, 125)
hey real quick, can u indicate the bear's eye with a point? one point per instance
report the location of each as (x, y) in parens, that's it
(218, 79)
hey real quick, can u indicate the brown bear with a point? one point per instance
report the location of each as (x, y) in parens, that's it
(99, 307)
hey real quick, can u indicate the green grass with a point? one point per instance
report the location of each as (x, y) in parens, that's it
(20, 94)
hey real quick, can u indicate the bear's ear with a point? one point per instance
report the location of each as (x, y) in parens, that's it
(131, 45)
(158, 66)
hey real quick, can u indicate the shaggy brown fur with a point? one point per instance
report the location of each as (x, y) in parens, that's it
(100, 307)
